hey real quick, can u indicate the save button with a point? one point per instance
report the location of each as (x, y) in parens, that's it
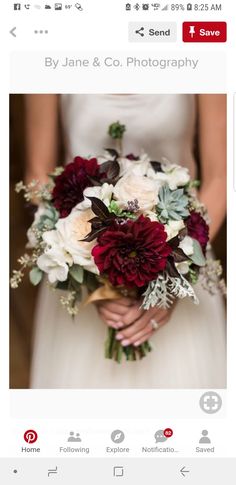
(204, 31)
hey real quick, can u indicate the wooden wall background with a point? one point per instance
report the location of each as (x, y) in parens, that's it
(23, 300)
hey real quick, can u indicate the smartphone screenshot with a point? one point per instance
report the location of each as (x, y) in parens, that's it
(118, 261)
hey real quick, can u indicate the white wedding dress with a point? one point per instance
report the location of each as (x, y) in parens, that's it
(189, 351)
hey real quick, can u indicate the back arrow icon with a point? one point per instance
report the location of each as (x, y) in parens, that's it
(13, 31)
(183, 471)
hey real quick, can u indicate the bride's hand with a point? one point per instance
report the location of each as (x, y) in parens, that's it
(113, 312)
(142, 324)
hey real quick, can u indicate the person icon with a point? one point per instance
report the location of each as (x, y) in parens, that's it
(205, 438)
(74, 438)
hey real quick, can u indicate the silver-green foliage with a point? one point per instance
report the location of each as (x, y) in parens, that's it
(165, 289)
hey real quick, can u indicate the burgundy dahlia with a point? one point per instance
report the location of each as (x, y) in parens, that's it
(198, 229)
(69, 186)
(132, 253)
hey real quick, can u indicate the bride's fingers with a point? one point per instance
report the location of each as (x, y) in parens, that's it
(143, 339)
(137, 337)
(143, 324)
(110, 318)
(115, 307)
(128, 333)
(125, 301)
(146, 332)
(133, 314)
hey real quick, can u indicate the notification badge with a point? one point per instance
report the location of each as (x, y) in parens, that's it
(30, 436)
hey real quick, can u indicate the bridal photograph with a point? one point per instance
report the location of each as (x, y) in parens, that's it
(118, 241)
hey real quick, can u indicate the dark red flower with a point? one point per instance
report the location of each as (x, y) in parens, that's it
(198, 229)
(69, 186)
(132, 157)
(132, 253)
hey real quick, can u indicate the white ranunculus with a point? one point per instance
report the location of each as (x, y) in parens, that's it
(137, 187)
(173, 228)
(103, 192)
(53, 263)
(32, 240)
(160, 177)
(177, 176)
(187, 245)
(72, 230)
(136, 167)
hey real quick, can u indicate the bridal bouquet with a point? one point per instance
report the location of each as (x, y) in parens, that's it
(119, 225)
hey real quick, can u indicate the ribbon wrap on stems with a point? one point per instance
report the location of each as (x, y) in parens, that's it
(108, 292)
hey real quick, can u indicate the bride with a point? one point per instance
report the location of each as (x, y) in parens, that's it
(189, 344)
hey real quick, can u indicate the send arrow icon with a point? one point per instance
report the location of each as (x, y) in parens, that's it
(183, 471)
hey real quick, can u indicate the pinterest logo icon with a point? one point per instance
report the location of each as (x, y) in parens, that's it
(30, 436)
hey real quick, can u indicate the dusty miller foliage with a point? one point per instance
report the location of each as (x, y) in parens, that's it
(162, 292)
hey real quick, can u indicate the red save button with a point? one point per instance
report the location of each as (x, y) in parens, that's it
(204, 31)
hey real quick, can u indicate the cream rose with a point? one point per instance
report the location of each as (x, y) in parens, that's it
(72, 230)
(137, 187)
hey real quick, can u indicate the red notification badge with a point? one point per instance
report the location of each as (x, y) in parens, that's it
(168, 432)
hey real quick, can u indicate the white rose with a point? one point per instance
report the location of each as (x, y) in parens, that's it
(103, 192)
(137, 187)
(135, 167)
(173, 228)
(187, 245)
(177, 176)
(53, 263)
(72, 231)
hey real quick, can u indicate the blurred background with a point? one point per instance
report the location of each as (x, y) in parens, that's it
(23, 300)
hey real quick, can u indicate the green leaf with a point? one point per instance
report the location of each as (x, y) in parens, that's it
(35, 275)
(77, 272)
(197, 257)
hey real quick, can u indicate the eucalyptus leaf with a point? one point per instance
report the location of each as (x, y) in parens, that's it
(77, 272)
(35, 275)
(197, 257)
